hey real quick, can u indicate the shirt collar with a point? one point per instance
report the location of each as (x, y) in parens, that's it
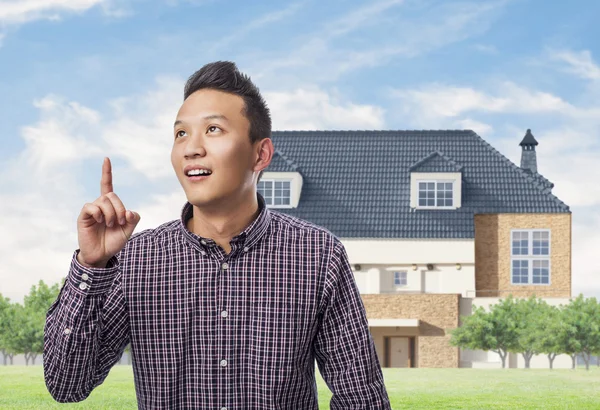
(247, 238)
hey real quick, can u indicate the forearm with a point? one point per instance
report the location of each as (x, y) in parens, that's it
(344, 348)
(84, 331)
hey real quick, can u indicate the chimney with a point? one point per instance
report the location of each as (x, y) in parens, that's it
(528, 158)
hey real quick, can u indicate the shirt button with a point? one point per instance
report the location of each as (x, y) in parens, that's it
(203, 253)
(224, 313)
(85, 276)
(203, 242)
(83, 286)
(246, 249)
(225, 265)
(223, 363)
(67, 331)
(223, 408)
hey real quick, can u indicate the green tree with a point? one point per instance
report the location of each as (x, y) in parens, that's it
(494, 331)
(547, 332)
(27, 336)
(6, 319)
(586, 321)
(529, 320)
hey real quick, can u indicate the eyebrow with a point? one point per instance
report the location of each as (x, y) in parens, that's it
(208, 117)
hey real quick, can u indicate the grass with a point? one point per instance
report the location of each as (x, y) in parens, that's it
(23, 387)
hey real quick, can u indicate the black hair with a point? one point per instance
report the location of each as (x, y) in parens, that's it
(225, 76)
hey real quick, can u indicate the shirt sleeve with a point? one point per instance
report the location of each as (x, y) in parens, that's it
(86, 331)
(344, 348)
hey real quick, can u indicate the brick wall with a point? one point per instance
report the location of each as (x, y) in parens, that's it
(492, 254)
(437, 313)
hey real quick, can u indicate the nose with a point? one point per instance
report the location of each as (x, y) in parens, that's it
(194, 147)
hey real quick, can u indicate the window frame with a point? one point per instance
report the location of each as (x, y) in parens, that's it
(273, 180)
(530, 257)
(436, 181)
(404, 275)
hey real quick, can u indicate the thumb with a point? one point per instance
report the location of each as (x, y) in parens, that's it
(132, 222)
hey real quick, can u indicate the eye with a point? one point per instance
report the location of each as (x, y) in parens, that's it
(214, 126)
(177, 133)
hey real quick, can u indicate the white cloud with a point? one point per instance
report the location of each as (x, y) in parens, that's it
(313, 109)
(40, 195)
(160, 208)
(191, 2)
(22, 11)
(59, 137)
(260, 22)
(363, 16)
(480, 128)
(567, 154)
(437, 100)
(486, 48)
(43, 188)
(320, 58)
(142, 127)
(579, 63)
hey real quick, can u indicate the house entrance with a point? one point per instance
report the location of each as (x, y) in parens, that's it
(399, 351)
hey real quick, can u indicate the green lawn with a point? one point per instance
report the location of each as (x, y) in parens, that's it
(23, 388)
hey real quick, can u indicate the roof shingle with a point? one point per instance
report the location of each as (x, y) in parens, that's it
(357, 183)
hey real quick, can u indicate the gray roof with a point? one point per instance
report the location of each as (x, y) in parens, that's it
(357, 183)
(528, 139)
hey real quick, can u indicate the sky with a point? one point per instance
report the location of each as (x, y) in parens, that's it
(85, 79)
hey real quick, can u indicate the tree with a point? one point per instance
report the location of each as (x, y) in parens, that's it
(494, 331)
(27, 333)
(532, 327)
(549, 328)
(584, 320)
(528, 317)
(6, 319)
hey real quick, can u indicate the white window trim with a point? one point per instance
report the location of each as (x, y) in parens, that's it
(400, 277)
(435, 181)
(280, 180)
(295, 186)
(454, 177)
(530, 257)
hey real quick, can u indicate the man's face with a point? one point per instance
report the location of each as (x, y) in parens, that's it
(211, 131)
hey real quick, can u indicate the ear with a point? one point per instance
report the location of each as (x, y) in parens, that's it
(263, 154)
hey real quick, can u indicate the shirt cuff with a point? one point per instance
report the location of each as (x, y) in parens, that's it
(92, 281)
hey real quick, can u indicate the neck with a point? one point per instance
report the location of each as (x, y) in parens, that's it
(224, 223)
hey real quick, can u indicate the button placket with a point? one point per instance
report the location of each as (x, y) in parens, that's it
(223, 325)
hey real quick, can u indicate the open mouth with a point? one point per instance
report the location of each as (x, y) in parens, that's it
(198, 174)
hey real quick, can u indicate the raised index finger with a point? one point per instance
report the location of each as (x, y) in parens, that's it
(106, 182)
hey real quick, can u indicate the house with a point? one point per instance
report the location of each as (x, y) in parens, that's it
(434, 223)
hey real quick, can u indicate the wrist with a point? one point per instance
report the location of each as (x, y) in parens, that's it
(100, 264)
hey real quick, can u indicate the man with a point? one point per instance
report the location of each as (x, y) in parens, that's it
(229, 306)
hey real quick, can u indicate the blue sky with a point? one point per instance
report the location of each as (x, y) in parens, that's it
(84, 79)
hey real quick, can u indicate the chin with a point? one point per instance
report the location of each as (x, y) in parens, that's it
(202, 199)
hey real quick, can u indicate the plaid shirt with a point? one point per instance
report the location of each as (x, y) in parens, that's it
(210, 330)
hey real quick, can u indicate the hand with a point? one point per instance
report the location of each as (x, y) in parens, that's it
(104, 226)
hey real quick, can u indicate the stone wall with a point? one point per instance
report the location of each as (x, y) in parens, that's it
(437, 313)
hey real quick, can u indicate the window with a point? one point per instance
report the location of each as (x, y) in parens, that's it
(436, 194)
(400, 278)
(530, 257)
(275, 192)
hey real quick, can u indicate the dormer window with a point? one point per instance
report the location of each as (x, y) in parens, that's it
(435, 190)
(277, 193)
(436, 193)
(281, 184)
(435, 182)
